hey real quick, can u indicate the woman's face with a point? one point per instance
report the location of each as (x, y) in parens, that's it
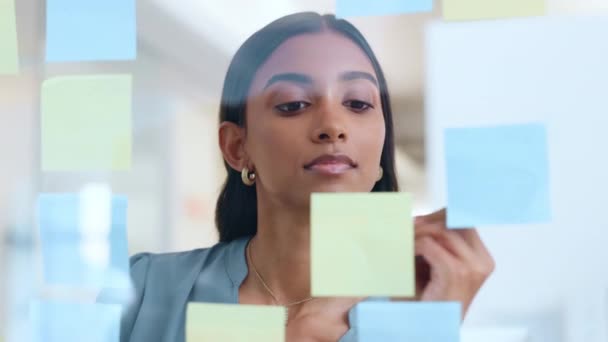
(314, 119)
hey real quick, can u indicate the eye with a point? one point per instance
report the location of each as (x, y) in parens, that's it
(292, 107)
(358, 106)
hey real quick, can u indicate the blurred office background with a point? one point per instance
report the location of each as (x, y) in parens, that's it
(538, 292)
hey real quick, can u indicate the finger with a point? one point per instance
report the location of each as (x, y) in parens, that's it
(440, 260)
(431, 224)
(432, 229)
(471, 251)
(478, 258)
(439, 215)
(458, 246)
(452, 240)
(448, 274)
(472, 237)
(437, 228)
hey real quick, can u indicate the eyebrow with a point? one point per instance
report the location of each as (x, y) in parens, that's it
(289, 77)
(306, 80)
(355, 75)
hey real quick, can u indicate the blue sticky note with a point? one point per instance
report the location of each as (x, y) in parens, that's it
(497, 175)
(91, 30)
(61, 321)
(408, 321)
(76, 250)
(359, 8)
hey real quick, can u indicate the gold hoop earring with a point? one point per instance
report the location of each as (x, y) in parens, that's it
(380, 174)
(247, 177)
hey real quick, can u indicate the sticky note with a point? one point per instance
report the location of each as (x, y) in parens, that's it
(357, 8)
(92, 30)
(408, 321)
(491, 9)
(84, 240)
(62, 321)
(235, 323)
(86, 123)
(497, 175)
(9, 56)
(362, 244)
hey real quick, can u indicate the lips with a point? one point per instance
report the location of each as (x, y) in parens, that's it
(331, 164)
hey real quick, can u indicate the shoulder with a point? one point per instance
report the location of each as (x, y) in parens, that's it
(223, 262)
(165, 280)
(170, 265)
(159, 271)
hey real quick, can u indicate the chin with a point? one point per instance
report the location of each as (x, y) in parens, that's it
(336, 187)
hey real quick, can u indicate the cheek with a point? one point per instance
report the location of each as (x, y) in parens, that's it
(373, 136)
(275, 146)
(277, 137)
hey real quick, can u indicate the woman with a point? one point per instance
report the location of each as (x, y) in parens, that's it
(304, 109)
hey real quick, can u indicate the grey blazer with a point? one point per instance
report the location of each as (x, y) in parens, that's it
(165, 283)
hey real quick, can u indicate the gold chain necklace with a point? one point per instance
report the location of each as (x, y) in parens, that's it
(274, 297)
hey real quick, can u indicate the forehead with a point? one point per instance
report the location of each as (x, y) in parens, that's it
(322, 56)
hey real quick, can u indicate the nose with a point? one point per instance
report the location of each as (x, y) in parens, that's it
(331, 128)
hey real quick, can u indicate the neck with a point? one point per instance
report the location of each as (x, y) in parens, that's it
(281, 251)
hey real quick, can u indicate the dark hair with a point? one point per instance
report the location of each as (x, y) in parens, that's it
(236, 211)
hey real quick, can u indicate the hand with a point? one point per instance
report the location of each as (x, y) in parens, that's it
(451, 265)
(323, 319)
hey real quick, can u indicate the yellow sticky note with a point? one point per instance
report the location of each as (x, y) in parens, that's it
(86, 123)
(578, 6)
(362, 244)
(491, 9)
(9, 57)
(235, 323)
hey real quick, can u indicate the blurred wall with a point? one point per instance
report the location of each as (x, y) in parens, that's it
(550, 277)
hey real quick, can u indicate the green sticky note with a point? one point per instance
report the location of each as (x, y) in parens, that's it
(362, 244)
(235, 323)
(86, 123)
(491, 9)
(9, 56)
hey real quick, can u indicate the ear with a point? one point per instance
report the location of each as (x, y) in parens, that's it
(232, 144)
